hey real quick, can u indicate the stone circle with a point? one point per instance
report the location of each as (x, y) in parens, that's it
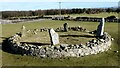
(92, 47)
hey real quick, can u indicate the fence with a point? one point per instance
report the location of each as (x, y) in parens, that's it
(92, 19)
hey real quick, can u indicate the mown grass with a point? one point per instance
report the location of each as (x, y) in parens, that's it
(77, 37)
(109, 58)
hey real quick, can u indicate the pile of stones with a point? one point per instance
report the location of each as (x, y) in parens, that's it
(59, 29)
(75, 28)
(67, 28)
(38, 30)
(44, 29)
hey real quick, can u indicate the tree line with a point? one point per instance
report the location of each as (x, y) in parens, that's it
(8, 14)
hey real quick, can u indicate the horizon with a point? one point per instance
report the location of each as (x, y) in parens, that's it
(27, 6)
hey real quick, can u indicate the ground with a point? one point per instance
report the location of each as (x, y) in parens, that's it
(77, 37)
(109, 58)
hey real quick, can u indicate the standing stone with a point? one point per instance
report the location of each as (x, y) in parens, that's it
(23, 31)
(54, 37)
(100, 28)
(65, 27)
(34, 32)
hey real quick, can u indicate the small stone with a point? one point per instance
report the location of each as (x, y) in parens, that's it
(116, 51)
(35, 32)
(42, 56)
(77, 46)
(93, 40)
(101, 40)
(112, 39)
(110, 48)
(52, 47)
(63, 46)
(86, 53)
(67, 55)
(73, 55)
(57, 47)
(82, 54)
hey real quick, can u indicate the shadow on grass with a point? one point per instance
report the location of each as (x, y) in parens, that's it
(6, 47)
(87, 36)
(35, 43)
(3, 37)
(0, 46)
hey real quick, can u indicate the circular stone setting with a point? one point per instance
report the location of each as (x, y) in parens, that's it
(23, 46)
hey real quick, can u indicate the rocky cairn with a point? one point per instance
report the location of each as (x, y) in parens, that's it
(62, 50)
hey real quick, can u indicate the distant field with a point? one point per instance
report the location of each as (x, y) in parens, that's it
(109, 58)
(90, 15)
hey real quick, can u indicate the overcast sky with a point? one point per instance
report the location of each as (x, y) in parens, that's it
(11, 5)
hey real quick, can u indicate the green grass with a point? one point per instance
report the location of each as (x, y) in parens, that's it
(76, 37)
(0, 32)
(103, 14)
(108, 58)
(0, 58)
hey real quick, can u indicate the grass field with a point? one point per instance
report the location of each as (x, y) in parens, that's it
(99, 15)
(109, 58)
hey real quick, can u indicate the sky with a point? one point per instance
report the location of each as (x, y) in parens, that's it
(18, 5)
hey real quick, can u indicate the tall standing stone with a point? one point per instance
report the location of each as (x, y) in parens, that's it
(54, 37)
(65, 27)
(100, 28)
(23, 33)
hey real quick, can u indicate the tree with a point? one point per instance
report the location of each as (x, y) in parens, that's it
(109, 10)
